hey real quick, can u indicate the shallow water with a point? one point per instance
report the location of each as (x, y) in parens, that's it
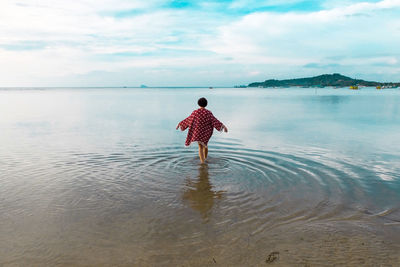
(100, 177)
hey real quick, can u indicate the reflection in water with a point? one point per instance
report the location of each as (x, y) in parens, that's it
(199, 193)
(332, 99)
(97, 181)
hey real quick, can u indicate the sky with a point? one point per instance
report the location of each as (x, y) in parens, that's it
(195, 43)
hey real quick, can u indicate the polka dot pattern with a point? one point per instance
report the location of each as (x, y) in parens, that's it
(201, 124)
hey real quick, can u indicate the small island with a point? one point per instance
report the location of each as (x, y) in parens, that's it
(333, 80)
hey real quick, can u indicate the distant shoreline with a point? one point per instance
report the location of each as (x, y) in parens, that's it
(386, 86)
(325, 80)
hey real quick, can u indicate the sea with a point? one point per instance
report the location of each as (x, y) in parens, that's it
(101, 177)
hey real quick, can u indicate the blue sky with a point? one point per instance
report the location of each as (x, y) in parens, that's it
(195, 43)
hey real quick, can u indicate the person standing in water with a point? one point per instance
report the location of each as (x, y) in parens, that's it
(201, 124)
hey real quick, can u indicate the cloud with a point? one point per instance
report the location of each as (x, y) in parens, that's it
(300, 38)
(239, 40)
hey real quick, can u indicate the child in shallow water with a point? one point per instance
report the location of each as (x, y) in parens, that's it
(201, 124)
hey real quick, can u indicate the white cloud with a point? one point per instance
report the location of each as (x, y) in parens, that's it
(77, 38)
(297, 38)
(83, 37)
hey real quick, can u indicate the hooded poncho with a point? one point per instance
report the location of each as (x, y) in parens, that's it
(201, 124)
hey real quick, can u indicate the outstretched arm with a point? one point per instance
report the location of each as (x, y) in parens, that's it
(186, 122)
(218, 125)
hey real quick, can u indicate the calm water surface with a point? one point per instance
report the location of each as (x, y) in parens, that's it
(100, 176)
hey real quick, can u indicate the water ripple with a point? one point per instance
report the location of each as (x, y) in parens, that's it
(159, 193)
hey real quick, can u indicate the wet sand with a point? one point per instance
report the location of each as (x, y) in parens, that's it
(142, 240)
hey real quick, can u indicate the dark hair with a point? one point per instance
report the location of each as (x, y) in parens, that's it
(202, 102)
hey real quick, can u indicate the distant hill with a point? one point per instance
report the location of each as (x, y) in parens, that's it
(335, 79)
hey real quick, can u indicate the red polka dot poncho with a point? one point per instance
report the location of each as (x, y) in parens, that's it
(201, 124)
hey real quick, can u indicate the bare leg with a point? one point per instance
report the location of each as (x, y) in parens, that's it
(201, 153)
(205, 152)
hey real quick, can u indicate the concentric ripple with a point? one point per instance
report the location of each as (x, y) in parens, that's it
(300, 188)
(165, 200)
